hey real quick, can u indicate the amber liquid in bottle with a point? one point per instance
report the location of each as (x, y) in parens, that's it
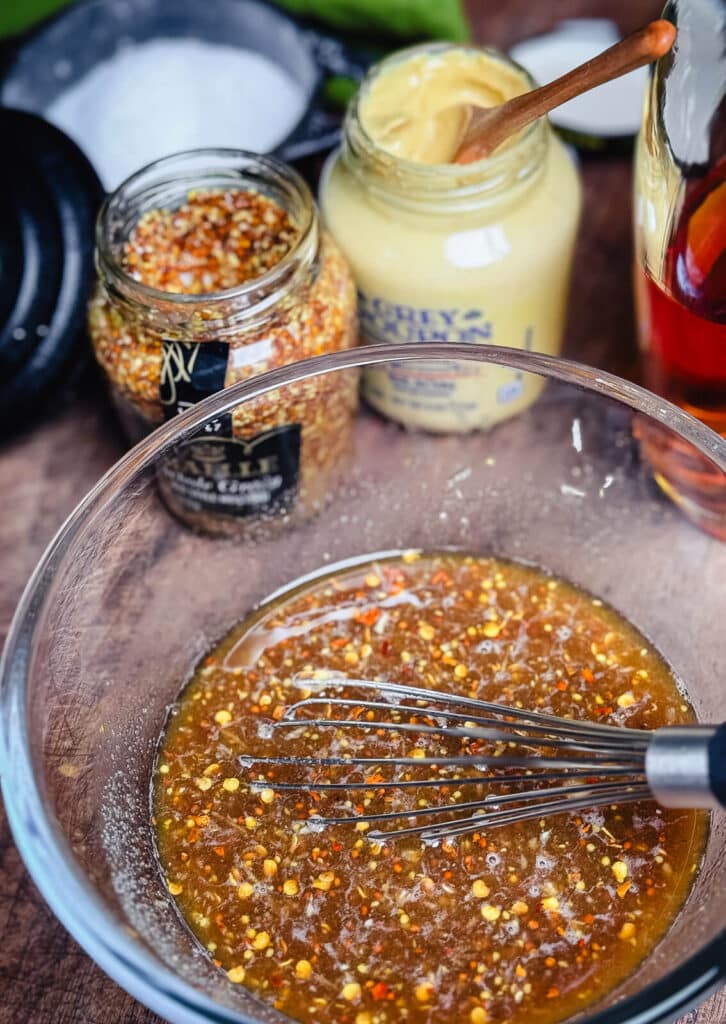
(683, 332)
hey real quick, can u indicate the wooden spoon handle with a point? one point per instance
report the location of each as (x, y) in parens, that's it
(642, 47)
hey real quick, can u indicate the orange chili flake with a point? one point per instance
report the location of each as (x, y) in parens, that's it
(368, 617)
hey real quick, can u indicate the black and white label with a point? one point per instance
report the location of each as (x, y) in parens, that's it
(191, 371)
(216, 472)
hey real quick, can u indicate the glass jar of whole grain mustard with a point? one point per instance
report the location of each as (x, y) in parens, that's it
(212, 268)
(475, 253)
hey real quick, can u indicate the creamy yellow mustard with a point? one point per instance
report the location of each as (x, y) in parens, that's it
(415, 109)
(441, 253)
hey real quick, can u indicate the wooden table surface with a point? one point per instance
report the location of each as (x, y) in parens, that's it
(45, 978)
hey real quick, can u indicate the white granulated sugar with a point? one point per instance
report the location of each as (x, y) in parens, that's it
(156, 98)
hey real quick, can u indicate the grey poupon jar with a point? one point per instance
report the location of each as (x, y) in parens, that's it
(443, 252)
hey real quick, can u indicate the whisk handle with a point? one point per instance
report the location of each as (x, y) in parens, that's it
(685, 766)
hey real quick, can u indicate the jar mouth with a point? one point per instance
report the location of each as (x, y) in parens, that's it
(455, 179)
(167, 182)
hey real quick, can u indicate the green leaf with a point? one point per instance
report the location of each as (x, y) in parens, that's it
(408, 19)
(339, 90)
(18, 15)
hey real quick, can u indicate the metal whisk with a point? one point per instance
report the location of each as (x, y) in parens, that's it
(546, 765)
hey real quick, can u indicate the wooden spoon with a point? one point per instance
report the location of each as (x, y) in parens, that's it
(487, 127)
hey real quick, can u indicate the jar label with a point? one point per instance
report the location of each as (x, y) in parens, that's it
(190, 371)
(446, 395)
(216, 471)
(384, 321)
(220, 473)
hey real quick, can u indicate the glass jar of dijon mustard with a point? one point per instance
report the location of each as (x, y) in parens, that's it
(212, 268)
(475, 253)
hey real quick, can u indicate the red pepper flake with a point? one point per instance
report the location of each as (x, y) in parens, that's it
(379, 990)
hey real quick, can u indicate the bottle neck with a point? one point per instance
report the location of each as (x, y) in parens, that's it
(206, 317)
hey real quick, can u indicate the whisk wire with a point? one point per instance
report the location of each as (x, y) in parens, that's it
(560, 765)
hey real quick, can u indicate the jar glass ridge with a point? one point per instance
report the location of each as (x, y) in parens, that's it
(441, 188)
(166, 184)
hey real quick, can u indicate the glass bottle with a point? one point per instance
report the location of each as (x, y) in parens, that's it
(680, 244)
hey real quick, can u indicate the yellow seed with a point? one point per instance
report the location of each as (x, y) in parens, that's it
(324, 881)
(236, 974)
(426, 631)
(424, 991)
(478, 1015)
(223, 717)
(490, 913)
(362, 826)
(261, 941)
(231, 785)
(625, 700)
(363, 1017)
(519, 907)
(245, 890)
(303, 969)
(211, 769)
(372, 580)
(250, 822)
(351, 991)
(551, 903)
(290, 887)
(627, 931)
(417, 752)
(204, 784)
(491, 629)
(461, 671)
(175, 888)
(267, 796)
(163, 769)
(580, 886)
(351, 657)
(480, 889)
(269, 867)
(620, 870)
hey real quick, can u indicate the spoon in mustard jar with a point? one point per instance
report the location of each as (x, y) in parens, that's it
(483, 129)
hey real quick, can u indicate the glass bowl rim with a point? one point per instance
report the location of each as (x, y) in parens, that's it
(45, 850)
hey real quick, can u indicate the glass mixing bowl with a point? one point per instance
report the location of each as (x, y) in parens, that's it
(126, 599)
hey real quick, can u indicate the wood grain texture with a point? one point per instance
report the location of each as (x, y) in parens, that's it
(44, 977)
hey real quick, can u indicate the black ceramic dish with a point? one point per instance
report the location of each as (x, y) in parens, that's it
(66, 48)
(49, 196)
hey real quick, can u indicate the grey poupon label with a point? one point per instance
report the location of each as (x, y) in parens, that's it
(217, 472)
(392, 322)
